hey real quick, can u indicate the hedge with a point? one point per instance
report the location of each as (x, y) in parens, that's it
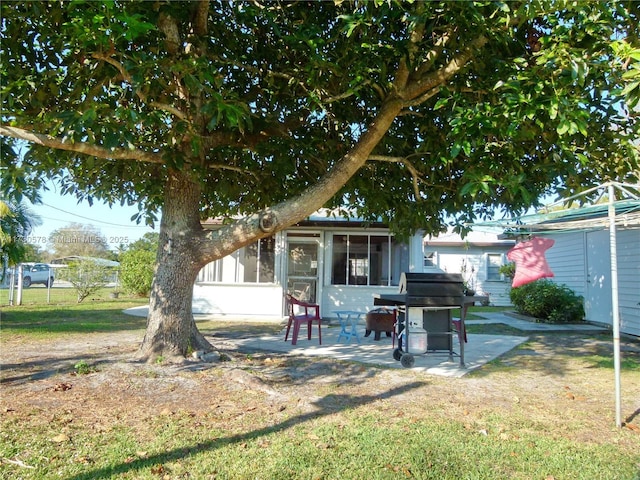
(548, 302)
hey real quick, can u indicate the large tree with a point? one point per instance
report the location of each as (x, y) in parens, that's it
(78, 239)
(263, 112)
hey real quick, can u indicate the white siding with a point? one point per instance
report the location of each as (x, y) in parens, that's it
(567, 261)
(266, 301)
(451, 259)
(628, 248)
(356, 298)
(239, 300)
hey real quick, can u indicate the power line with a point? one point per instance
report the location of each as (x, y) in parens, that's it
(90, 219)
(66, 220)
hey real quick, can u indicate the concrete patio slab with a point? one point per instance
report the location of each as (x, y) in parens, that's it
(521, 323)
(479, 350)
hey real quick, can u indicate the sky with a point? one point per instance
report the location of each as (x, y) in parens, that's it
(58, 211)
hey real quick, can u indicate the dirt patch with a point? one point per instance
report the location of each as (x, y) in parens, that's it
(555, 379)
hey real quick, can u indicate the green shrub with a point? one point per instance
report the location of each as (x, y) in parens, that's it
(548, 302)
(136, 271)
(137, 265)
(508, 270)
(86, 276)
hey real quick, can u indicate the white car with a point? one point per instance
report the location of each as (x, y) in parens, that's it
(36, 273)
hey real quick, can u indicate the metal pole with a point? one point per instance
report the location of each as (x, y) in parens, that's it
(49, 285)
(614, 301)
(20, 277)
(12, 279)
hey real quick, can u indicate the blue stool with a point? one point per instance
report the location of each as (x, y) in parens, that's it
(348, 324)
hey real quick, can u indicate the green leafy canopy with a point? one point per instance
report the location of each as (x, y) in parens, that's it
(255, 101)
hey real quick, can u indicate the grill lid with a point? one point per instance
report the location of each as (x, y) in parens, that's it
(423, 283)
(431, 289)
(426, 290)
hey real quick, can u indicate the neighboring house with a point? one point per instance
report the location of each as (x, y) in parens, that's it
(103, 262)
(478, 257)
(580, 259)
(111, 265)
(339, 264)
(336, 263)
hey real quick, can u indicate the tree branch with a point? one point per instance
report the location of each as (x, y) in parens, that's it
(415, 174)
(429, 82)
(127, 77)
(247, 229)
(423, 98)
(231, 168)
(432, 55)
(250, 140)
(168, 108)
(201, 17)
(169, 27)
(85, 148)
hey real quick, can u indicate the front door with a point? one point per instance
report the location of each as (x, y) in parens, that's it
(302, 269)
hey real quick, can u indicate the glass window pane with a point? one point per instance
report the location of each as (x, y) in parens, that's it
(368, 260)
(211, 272)
(379, 260)
(399, 260)
(430, 259)
(250, 263)
(494, 262)
(358, 259)
(339, 260)
(267, 260)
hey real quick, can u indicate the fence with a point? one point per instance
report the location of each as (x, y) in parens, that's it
(59, 292)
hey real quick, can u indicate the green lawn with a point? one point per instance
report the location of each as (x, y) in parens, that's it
(347, 445)
(97, 314)
(56, 295)
(347, 436)
(475, 313)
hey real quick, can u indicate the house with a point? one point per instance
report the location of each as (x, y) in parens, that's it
(580, 259)
(339, 264)
(478, 257)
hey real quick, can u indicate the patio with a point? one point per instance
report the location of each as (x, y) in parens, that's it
(479, 350)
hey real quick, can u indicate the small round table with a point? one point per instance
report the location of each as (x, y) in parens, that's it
(348, 324)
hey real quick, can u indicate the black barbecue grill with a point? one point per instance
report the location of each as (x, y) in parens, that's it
(425, 325)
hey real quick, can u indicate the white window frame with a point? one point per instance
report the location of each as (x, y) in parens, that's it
(391, 242)
(213, 272)
(499, 277)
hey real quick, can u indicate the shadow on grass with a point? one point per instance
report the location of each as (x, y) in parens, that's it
(49, 366)
(328, 405)
(632, 417)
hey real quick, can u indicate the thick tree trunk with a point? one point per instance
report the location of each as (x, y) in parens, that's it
(171, 331)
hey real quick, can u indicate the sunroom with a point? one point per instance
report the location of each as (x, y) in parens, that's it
(339, 264)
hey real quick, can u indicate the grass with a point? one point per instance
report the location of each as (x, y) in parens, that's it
(601, 361)
(353, 444)
(345, 436)
(56, 295)
(95, 315)
(475, 313)
(494, 329)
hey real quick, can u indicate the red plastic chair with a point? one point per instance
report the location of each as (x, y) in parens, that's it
(299, 313)
(457, 324)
